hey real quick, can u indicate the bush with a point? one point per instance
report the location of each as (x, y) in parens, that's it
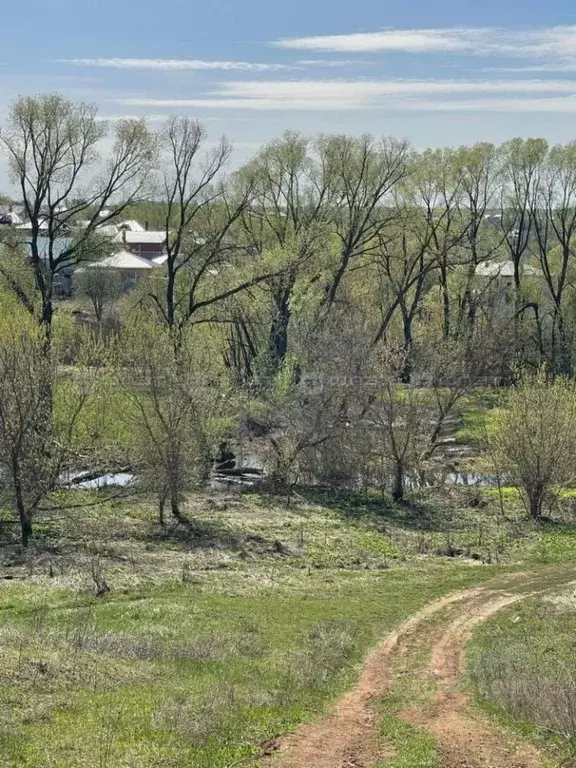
(535, 438)
(524, 664)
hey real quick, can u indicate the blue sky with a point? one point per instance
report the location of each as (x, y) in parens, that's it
(447, 72)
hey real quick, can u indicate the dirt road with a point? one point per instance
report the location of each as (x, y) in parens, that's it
(429, 647)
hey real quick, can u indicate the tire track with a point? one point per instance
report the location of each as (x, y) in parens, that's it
(347, 737)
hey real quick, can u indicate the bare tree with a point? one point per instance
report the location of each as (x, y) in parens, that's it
(169, 408)
(188, 191)
(101, 284)
(395, 422)
(402, 264)
(201, 211)
(37, 443)
(520, 179)
(553, 211)
(360, 173)
(310, 414)
(478, 169)
(25, 435)
(288, 224)
(52, 146)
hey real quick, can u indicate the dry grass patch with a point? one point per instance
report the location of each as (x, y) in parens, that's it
(522, 667)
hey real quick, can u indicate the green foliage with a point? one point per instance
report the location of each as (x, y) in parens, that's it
(323, 307)
(535, 437)
(16, 275)
(176, 413)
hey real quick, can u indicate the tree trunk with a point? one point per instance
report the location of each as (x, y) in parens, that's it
(175, 505)
(278, 344)
(26, 527)
(406, 373)
(536, 496)
(398, 485)
(98, 306)
(278, 337)
(469, 306)
(170, 294)
(517, 298)
(23, 514)
(565, 362)
(25, 519)
(46, 319)
(445, 300)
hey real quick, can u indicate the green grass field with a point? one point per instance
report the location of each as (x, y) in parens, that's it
(213, 636)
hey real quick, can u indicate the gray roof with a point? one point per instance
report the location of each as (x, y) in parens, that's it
(160, 260)
(123, 260)
(131, 225)
(140, 238)
(503, 269)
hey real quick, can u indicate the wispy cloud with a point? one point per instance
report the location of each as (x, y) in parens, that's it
(536, 68)
(174, 65)
(264, 104)
(333, 95)
(558, 42)
(151, 118)
(314, 89)
(202, 65)
(557, 105)
(332, 62)
(410, 40)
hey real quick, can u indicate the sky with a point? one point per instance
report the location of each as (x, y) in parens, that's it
(440, 73)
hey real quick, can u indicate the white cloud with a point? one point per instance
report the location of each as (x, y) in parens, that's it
(247, 103)
(201, 65)
(551, 105)
(410, 40)
(555, 42)
(333, 95)
(174, 65)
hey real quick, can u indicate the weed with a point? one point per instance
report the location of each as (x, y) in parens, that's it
(98, 574)
(413, 747)
(527, 650)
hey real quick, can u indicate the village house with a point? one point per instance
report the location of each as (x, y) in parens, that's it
(9, 217)
(141, 250)
(147, 244)
(495, 282)
(131, 267)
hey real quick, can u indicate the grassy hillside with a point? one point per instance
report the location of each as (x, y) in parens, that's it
(124, 644)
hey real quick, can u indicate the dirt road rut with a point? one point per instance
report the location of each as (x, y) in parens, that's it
(428, 646)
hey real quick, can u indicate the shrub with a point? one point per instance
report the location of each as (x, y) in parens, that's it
(535, 438)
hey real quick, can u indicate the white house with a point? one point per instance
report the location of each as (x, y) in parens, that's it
(503, 270)
(495, 282)
(131, 267)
